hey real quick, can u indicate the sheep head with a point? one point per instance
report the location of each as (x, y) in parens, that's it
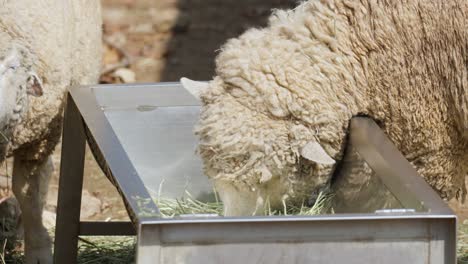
(252, 154)
(17, 80)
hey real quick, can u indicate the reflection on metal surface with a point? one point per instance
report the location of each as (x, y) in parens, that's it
(358, 189)
(161, 145)
(396, 173)
(394, 211)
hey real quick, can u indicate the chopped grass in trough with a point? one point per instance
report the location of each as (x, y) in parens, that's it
(188, 205)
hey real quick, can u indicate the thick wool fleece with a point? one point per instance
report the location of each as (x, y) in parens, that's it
(61, 37)
(301, 79)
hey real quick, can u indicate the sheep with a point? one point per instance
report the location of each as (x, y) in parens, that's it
(274, 119)
(45, 47)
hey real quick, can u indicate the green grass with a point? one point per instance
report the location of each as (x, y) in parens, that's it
(92, 250)
(462, 243)
(107, 250)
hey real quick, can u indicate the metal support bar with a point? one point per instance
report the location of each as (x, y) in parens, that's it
(400, 177)
(70, 186)
(123, 171)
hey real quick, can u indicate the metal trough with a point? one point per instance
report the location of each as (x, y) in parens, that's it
(145, 134)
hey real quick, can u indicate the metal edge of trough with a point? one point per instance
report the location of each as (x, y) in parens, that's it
(438, 232)
(125, 175)
(389, 164)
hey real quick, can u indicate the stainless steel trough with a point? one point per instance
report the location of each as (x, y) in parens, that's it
(145, 134)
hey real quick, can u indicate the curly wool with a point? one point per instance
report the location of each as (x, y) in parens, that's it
(60, 38)
(315, 67)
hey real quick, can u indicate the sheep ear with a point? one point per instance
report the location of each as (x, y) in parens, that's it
(194, 87)
(34, 86)
(314, 152)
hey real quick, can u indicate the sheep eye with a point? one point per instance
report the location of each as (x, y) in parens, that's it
(14, 67)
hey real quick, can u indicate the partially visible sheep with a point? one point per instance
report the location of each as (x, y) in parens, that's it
(45, 47)
(277, 113)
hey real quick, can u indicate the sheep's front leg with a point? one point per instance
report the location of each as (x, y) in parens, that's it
(30, 183)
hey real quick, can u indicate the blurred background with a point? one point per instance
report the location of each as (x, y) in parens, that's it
(166, 39)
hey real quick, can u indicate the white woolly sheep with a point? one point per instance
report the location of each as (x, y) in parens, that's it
(45, 47)
(277, 113)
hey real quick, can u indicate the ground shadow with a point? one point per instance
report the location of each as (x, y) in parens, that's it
(204, 25)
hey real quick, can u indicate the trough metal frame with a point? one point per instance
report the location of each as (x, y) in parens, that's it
(370, 142)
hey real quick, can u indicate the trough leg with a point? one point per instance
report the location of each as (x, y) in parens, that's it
(70, 186)
(30, 184)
